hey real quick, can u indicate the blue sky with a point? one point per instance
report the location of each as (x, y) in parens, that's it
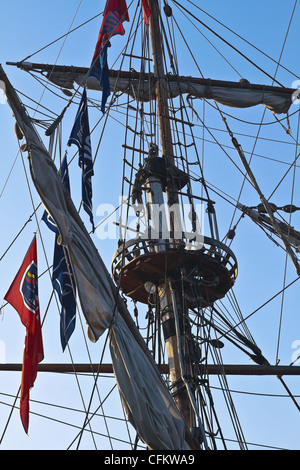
(261, 263)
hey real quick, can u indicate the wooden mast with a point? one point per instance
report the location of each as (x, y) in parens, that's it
(171, 311)
(161, 84)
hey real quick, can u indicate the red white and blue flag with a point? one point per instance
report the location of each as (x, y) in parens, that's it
(23, 296)
(115, 13)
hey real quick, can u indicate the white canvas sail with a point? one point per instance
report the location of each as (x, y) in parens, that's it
(240, 94)
(146, 400)
(135, 371)
(94, 290)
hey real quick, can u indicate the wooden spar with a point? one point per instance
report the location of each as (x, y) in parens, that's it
(211, 369)
(29, 66)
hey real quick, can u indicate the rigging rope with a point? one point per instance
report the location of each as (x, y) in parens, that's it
(241, 322)
(285, 268)
(226, 42)
(245, 40)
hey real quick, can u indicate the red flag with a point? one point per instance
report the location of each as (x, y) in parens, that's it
(115, 13)
(147, 11)
(23, 296)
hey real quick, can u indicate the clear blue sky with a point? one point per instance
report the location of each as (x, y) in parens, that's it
(28, 26)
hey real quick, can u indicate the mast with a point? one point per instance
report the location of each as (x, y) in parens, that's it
(171, 313)
(180, 270)
(161, 84)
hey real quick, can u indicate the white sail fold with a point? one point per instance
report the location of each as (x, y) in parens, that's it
(237, 96)
(145, 398)
(233, 94)
(92, 279)
(240, 94)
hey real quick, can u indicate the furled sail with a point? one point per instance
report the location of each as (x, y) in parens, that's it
(100, 301)
(96, 290)
(142, 87)
(262, 219)
(146, 400)
(134, 372)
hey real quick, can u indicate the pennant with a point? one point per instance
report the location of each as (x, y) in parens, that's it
(62, 275)
(115, 13)
(64, 284)
(23, 296)
(147, 11)
(104, 76)
(80, 136)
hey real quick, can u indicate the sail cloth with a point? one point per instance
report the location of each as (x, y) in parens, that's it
(278, 101)
(94, 290)
(146, 400)
(23, 296)
(233, 94)
(97, 293)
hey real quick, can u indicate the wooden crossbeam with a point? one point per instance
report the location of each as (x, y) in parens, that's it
(228, 369)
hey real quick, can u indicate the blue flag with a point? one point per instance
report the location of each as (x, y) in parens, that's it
(63, 283)
(62, 276)
(80, 136)
(115, 13)
(100, 70)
